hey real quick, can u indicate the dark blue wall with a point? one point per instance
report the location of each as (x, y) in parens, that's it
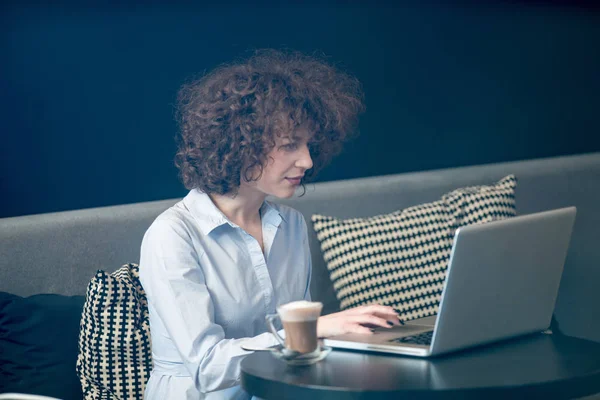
(86, 93)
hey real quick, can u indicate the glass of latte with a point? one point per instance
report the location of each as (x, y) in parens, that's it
(299, 320)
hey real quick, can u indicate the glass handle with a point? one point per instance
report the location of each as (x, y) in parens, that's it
(270, 318)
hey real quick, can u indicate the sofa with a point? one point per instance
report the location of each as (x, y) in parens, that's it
(47, 260)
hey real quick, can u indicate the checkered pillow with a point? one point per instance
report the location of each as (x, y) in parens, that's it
(114, 359)
(400, 259)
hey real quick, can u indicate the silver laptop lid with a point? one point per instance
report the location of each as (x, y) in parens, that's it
(502, 279)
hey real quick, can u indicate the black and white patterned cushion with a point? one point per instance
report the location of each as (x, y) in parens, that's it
(114, 359)
(400, 259)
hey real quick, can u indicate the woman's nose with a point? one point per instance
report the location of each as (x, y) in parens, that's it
(304, 160)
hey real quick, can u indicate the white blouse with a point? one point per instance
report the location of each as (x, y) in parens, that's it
(209, 288)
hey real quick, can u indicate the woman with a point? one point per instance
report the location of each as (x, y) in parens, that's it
(216, 263)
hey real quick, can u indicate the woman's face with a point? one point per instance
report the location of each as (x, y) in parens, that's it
(286, 164)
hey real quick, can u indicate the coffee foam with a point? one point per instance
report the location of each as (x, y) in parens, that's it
(300, 311)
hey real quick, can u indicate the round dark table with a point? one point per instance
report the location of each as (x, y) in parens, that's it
(535, 366)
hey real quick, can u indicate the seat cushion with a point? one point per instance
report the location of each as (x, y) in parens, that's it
(400, 259)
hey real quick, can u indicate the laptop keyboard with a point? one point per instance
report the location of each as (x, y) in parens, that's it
(422, 338)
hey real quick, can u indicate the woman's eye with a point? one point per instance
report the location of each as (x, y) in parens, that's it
(290, 146)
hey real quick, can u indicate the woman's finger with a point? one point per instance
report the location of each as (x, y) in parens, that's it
(392, 314)
(386, 312)
(372, 320)
(398, 314)
(375, 309)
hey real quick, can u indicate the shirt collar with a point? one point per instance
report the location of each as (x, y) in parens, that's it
(208, 216)
(270, 214)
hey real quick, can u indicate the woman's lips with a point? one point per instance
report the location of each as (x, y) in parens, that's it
(294, 180)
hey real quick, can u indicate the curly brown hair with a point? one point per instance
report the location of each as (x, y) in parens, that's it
(228, 118)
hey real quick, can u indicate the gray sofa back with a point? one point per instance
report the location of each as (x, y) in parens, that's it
(60, 252)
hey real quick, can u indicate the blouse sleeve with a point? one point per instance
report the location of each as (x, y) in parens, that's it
(171, 274)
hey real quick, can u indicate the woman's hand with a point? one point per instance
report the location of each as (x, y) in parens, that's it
(357, 320)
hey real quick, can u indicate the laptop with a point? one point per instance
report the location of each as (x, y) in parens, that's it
(502, 281)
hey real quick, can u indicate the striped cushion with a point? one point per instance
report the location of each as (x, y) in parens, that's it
(114, 359)
(400, 259)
